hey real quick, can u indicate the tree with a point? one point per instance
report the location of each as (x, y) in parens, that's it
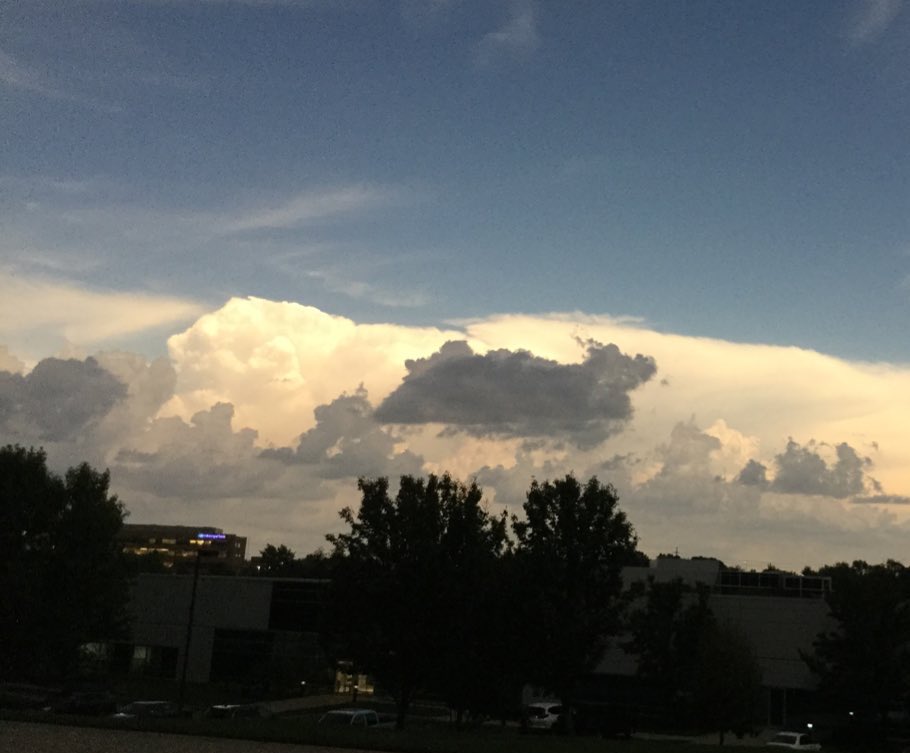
(406, 582)
(61, 573)
(283, 562)
(667, 631)
(864, 664)
(727, 680)
(277, 560)
(572, 545)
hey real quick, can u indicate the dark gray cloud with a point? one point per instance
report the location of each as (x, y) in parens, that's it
(202, 459)
(689, 449)
(802, 470)
(753, 474)
(346, 443)
(882, 499)
(518, 394)
(57, 400)
(685, 505)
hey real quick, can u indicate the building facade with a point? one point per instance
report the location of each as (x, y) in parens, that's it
(780, 613)
(174, 544)
(250, 632)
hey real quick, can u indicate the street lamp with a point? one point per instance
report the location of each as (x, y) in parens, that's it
(189, 624)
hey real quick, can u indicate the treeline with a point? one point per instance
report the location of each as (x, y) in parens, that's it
(431, 592)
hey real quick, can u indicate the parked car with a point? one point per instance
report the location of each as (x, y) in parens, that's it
(793, 741)
(88, 702)
(350, 718)
(15, 695)
(543, 715)
(148, 710)
(235, 711)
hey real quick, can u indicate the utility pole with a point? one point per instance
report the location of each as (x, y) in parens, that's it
(189, 633)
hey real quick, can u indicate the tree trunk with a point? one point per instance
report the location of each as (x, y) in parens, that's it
(569, 717)
(402, 706)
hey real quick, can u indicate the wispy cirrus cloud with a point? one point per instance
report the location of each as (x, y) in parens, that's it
(310, 206)
(871, 19)
(94, 212)
(17, 75)
(517, 38)
(59, 227)
(32, 307)
(253, 3)
(341, 282)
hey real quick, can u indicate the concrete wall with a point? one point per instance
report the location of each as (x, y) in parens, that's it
(778, 627)
(160, 610)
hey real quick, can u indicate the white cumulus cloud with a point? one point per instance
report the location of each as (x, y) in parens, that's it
(265, 413)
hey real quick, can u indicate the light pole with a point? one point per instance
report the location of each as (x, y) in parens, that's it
(189, 626)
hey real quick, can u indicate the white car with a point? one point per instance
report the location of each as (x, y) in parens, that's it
(793, 741)
(148, 710)
(350, 718)
(543, 715)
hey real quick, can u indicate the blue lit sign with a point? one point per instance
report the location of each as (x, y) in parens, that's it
(211, 536)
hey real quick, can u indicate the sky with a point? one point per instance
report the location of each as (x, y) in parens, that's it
(252, 250)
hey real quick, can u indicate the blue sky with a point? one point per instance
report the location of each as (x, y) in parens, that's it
(284, 242)
(738, 170)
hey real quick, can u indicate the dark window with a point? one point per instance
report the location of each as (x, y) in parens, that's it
(241, 655)
(296, 605)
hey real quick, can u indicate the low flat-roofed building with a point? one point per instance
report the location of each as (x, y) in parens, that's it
(780, 613)
(246, 630)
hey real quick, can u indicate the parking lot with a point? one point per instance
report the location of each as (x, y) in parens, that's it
(19, 737)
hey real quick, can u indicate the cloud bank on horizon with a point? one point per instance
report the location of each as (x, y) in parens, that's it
(265, 413)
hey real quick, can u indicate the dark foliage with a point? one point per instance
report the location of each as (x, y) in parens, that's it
(667, 630)
(416, 565)
(61, 574)
(726, 688)
(864, 665)
(277, 560)
(281, 561)
(572, 546)
(704, 671)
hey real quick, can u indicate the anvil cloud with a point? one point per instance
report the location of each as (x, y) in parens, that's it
(265, 413)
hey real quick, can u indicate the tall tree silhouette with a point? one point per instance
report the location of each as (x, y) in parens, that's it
(727, 680)
(864, 664)
(61, 573)
(667, 628)
(572, 545)
(406, 576)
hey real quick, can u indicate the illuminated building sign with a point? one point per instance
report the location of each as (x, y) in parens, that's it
(217, 536)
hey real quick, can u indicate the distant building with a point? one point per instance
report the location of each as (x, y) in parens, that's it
(251, 632)
(174, 544)
(781, 614)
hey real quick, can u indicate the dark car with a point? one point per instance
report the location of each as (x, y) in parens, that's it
(85, 702)
(15, 695)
